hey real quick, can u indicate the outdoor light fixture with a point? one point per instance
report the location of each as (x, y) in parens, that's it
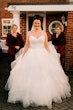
(63, 19)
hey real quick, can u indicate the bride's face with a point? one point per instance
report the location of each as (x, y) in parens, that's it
(37, 24)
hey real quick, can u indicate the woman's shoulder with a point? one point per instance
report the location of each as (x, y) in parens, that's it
(9, 35)
(44, 32)
(62, 34)
(29, 33)
(18, 34)
(53, 34)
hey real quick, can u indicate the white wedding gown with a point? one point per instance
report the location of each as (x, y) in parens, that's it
(37, 78)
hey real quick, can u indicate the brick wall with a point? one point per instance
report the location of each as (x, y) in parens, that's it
(69, 44)
(23, 25)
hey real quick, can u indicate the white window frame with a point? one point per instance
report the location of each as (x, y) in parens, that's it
(55, 21)
(4, 24)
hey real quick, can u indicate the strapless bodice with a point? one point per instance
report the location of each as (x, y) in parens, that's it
(36, 42)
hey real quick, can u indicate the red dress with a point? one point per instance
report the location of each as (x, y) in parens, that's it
(59, 43)
(11, 42)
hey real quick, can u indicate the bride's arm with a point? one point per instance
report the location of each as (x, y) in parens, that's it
(46, 42)
(27, 44)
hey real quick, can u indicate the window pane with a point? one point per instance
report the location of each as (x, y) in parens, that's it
(4, 27)
(9, 27)
(57, 24)
(53, 25)
(53, 30)
(9, 31)
(4, 32)
(6, 21)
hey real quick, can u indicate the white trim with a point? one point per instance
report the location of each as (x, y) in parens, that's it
(16, 19)
(58, 7)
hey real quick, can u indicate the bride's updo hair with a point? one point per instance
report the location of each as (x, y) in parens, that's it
(38, 17)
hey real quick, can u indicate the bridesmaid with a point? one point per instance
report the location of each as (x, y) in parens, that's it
(59, 41)
(15, 42)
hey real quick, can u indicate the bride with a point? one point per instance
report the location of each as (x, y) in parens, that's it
(37, 77)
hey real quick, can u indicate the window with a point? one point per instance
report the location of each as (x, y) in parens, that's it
(53, 25)
(6, 26)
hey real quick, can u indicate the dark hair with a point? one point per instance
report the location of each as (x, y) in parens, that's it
(38, 17)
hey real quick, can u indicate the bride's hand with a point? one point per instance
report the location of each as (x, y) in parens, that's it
(22, 55)
(17, 47)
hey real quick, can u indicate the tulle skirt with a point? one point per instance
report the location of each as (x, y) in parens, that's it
(38, 79)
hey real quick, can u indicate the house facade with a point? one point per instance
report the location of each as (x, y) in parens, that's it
(53, 12)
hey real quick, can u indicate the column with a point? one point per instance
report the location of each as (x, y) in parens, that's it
(16, 19)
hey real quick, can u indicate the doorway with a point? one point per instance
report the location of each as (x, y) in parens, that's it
(30, 21)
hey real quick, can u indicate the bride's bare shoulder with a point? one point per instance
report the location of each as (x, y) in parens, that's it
(44, 32)
(29, 33)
